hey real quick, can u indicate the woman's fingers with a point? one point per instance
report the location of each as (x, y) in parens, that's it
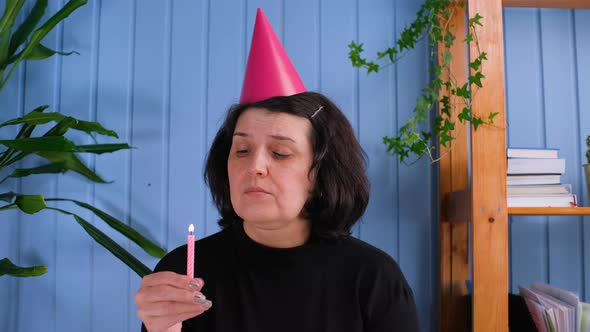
(172, 279)
(167, 298)
(169, 308)
(167, 293)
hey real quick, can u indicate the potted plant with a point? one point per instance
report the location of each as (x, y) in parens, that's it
(587, 165)
(60, 154)
(433, 20)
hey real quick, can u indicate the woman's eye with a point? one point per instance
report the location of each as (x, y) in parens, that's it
(241, 152)
(280, 155)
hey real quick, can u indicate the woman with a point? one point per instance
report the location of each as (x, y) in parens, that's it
(288, 178)
(287, 175)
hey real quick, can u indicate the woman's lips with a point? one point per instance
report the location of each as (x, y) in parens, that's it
(256, 190)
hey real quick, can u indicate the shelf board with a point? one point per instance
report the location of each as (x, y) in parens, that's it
(549, 211)
(566, 4)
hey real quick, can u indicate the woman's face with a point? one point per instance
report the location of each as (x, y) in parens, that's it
(268, 167)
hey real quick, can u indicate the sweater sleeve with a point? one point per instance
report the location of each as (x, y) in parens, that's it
(388, 300)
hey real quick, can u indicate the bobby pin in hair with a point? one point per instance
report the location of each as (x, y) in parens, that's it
(317, 111)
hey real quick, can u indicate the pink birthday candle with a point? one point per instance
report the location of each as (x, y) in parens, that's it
(190, 257)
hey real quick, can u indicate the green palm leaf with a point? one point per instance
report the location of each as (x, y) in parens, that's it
(122, 228)
(41, 52)
(71, 162)
(24, 30)
(7, 197)
(34, 144)
(59, 144)
(40, 33)
(52, 168)
(36, 118)
(30, 204)
(112, 246)
(7, 267)
(10, 14)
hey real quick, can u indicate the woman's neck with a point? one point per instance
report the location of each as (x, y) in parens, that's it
(289, 235)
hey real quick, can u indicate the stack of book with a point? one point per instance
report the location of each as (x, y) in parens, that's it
(534, 179)
(555, 310)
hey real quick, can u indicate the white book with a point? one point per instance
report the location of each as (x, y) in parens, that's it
(570, 298)
(557, 200)
(537, 314)
(564, 314)
(525, 179)
(539, 189)
(531, 153)
(535, 166)
(539, 309)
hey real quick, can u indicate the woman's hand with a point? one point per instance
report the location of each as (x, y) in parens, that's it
(167, 298)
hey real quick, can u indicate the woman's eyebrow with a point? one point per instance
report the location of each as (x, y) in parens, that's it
(277, 137)
(282, 138)
(242, 134)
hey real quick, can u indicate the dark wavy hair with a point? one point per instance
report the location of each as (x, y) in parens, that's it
(341, 189)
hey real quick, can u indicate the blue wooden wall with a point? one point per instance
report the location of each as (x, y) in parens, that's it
(162, 74)
(548, 105)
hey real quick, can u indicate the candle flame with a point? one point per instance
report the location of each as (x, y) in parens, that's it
(191, 228)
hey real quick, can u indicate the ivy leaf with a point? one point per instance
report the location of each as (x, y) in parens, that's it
(476, 79)
(446, 106)
(475, 20)
(447, 57)
(491, 116)
(372, 67)
(445, 138)
(449, 125)
(476, 121)
(465, 114)
(475, 64)
(422, 105)
(468, 39)
(437, 69)
(463, 92)
(449, 38)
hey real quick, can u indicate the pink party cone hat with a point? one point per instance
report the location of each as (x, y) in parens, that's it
(269, 72)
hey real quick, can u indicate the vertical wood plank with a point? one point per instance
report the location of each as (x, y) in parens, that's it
(73, 259)
(582, 42)
(111, 293)
(301, 39)
(453, 176)
(338, 79)
(488, 150)
(187, 123)
(38, 232)
(148, 132)
(526, 128)
(227, 54)
(415, 219)
(561, 116)
(377, 98)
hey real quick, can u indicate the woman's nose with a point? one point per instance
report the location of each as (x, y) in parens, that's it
(258, 164)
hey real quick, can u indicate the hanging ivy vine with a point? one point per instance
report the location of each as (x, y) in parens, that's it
(434, 20)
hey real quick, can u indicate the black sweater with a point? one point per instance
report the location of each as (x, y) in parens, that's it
(324, 285)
